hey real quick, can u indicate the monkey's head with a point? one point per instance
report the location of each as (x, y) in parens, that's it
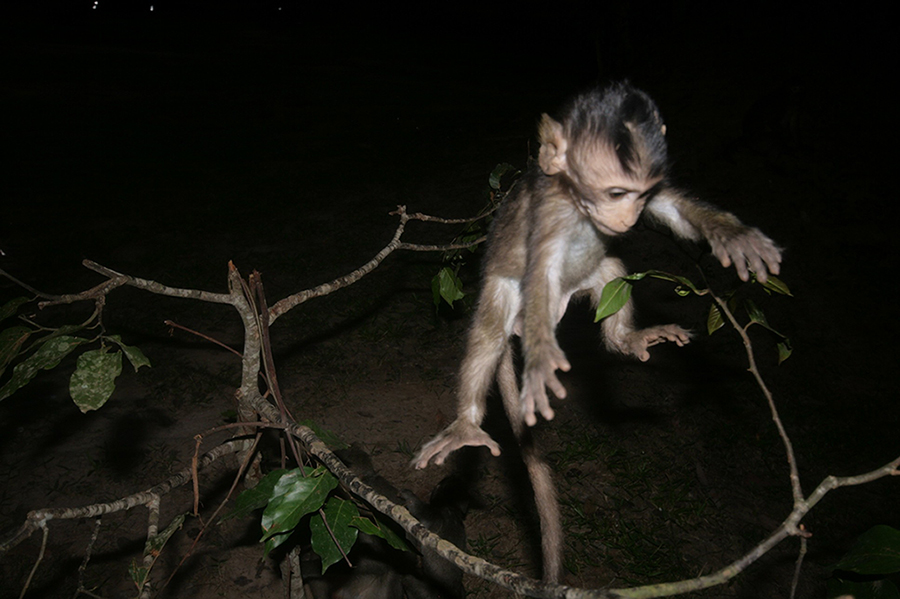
(609, 151)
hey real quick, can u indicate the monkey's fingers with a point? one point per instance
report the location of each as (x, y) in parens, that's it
(748, 251)
(459, 434)
(766, 255)
(534, 396)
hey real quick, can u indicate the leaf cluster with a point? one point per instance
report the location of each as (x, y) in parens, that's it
(617, 292)
(32, 348)
(289, 496)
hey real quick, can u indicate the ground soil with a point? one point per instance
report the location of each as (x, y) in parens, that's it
(166, 149)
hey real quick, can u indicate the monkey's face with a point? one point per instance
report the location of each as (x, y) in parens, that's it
(611, 198)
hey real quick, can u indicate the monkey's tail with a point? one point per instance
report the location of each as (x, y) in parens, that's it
(548, 510)
(538, 472)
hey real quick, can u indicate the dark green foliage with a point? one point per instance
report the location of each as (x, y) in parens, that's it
(869, 569)
(290, 495)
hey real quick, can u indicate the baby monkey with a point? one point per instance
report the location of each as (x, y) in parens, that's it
(600, 166)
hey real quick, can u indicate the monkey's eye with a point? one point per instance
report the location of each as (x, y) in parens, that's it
(617, 194)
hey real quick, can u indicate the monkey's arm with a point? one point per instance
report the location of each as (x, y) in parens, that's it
(488, 343)
(731, 241)
(544, 305)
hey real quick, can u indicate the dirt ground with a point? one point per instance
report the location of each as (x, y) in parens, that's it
(165, 148)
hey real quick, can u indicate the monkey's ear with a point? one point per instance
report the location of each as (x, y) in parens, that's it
(552, 156)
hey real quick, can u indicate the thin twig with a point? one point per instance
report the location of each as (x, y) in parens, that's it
(248, 456)
(87, 557)
(37, 562)
(796, 488)
(26, 286)
(417, 247)
(798, 566)
(38, 518)
(449, 221)
(175, 325)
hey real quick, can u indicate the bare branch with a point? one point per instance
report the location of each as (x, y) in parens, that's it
(291, 301)
(788, 528)
(415, 247)
(94, 293)
(453, 221)
(296, 299)
(158, 288)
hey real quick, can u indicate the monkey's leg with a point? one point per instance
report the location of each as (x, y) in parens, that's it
(618, 330)
(538, 471)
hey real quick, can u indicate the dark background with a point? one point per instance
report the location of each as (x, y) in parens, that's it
(280, 135)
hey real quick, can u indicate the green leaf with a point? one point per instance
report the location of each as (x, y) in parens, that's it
(615, 295)
(294, 496)
(876, 551)
(155, 544)
(378, 528)
(94, 379)
(134, 354)
(339, 513)
(257, 497)
(715, 320)
(498, 172)
(12, 306)
(756, 315)
(776, 285)
(11, 341)
(784, 350)
(138, 574)
(48, 356)
(446, 285)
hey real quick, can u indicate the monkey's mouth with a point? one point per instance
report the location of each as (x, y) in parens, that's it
(606, 230)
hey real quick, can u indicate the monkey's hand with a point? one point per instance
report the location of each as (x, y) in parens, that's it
(747, 248)
(637, 343)
(539, 374)
(459, 434)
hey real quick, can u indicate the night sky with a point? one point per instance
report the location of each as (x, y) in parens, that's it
(280, 134)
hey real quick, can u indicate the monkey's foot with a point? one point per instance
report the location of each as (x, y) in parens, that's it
(638, 342)
(459, 434)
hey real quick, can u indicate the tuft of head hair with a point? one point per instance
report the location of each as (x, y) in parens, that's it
(623, 118)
